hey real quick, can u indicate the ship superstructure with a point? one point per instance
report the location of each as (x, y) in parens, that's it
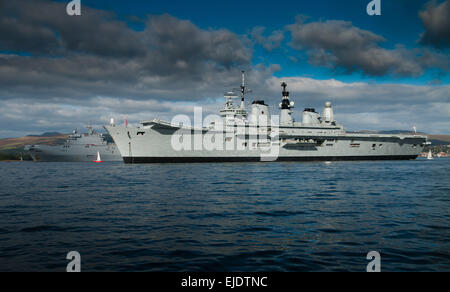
(240, 136)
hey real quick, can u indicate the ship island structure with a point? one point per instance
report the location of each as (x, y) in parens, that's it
(316, 138)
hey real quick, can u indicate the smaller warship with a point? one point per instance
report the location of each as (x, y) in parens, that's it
(77, 148)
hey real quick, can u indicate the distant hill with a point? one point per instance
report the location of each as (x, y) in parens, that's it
(12, 148)
(440, 139)
(18, 143)
(48, 134)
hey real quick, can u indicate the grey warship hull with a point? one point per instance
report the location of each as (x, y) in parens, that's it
(44, 153)
(154, 145)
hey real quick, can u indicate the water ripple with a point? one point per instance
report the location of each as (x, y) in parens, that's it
(226, 217)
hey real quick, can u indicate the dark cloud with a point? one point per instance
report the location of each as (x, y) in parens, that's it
(271, 42)
(43, 27)
(97, 55)
(342, 46)
(80, 77)
(436, 18)
(178, 46)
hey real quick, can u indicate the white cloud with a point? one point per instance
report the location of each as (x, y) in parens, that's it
(358, 106)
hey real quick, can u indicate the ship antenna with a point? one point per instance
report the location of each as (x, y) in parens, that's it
(285, 103)
(243, 90)
(284, 85)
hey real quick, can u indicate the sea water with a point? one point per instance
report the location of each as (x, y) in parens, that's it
(226, 217)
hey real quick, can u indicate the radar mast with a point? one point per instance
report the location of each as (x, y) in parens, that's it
(244, 91)
(286, 107)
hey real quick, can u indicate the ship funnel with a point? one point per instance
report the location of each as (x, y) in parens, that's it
(260, 114)
(310, 117)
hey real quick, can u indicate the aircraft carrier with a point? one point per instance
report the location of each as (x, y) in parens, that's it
(237, 136)
(77, 148)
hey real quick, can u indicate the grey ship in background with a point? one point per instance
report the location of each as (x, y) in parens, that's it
(316, 138)
(77, 148)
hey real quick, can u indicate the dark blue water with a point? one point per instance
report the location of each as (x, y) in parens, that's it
(226, 217)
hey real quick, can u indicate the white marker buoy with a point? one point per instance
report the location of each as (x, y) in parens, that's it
(99, 160)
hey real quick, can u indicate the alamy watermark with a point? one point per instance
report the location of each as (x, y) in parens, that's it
(229, 136)
(74, 266)
(74, 8)
(374, 265)
(374, 8)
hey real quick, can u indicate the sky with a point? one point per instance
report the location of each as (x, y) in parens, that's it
(138, 60)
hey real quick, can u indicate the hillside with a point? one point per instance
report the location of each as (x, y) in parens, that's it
(19, 143)
(440, 139)
(12, 148)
